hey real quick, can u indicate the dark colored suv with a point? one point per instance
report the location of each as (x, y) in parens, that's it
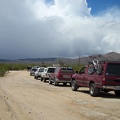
(61, 75)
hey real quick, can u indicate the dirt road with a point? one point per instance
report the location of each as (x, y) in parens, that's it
(24, 98)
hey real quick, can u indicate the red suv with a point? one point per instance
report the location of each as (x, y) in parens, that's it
(61, 75)
(106, 78)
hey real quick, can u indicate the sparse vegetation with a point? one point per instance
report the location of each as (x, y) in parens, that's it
(5, 67)
(77, 67)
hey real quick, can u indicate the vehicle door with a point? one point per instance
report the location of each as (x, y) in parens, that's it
(86, 77)
(44, 72)
(80, 77)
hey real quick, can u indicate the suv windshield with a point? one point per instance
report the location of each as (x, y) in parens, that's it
(113, 69)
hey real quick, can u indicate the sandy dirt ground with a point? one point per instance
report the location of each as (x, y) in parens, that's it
(24, 98)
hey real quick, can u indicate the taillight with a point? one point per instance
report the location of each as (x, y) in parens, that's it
(103, 80)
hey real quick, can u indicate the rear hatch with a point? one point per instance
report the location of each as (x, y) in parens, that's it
(113, 74)
(66, 74)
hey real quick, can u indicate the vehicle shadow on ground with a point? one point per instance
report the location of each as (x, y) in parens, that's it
(61, 85)
(101, 94)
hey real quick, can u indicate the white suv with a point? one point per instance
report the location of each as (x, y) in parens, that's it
(38, 72)
(45, 74)
(33, 70)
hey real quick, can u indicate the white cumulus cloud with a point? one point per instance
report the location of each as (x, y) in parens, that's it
(32, 28)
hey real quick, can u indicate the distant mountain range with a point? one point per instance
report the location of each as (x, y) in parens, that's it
(82, 60)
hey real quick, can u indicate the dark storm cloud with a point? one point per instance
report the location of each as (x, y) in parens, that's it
(31, 28)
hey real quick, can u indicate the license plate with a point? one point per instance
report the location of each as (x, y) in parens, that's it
(66, 76)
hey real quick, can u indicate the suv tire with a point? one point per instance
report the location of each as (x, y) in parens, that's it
(64, 84)
(93, 90)
(117, 93)
(74, 87)
(44, 79)
(35, 77)
(41, 79)
(50, 82)
(55, 83)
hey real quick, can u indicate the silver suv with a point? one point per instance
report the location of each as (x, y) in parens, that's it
(45, 74)
(38, 72)
(33, 70)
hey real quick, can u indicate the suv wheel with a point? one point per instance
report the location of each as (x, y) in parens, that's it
(50, 82)
(44, 79)
(35, 77)
(55, 83)
(41, 78)
(93, 90)
(64, 84)
(74, 86)
(117, 93)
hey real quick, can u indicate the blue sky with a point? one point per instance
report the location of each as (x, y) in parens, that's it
(99, 6)
(65, 28)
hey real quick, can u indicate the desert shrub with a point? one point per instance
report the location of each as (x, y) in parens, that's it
(3, 69)
(77, 67)
(17, 66)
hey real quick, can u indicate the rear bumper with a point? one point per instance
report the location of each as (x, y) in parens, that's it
(62, 81)
(111, 87)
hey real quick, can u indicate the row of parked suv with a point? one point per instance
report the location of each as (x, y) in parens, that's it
(54, 75)
(103, 77)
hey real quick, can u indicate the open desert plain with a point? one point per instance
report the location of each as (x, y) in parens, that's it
(24, 98)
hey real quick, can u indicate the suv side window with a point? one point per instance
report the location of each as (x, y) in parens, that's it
(82, 70)
(57, 69)
(113, 69)
(45, 70)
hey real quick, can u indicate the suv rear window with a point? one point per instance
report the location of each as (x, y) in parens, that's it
(41, 70)
(67, 70)
(113, 69)
(34, 69)
(51, 70)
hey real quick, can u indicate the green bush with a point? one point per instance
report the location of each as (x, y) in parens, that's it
(16, 66)
(77, 67)
(3, 69)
